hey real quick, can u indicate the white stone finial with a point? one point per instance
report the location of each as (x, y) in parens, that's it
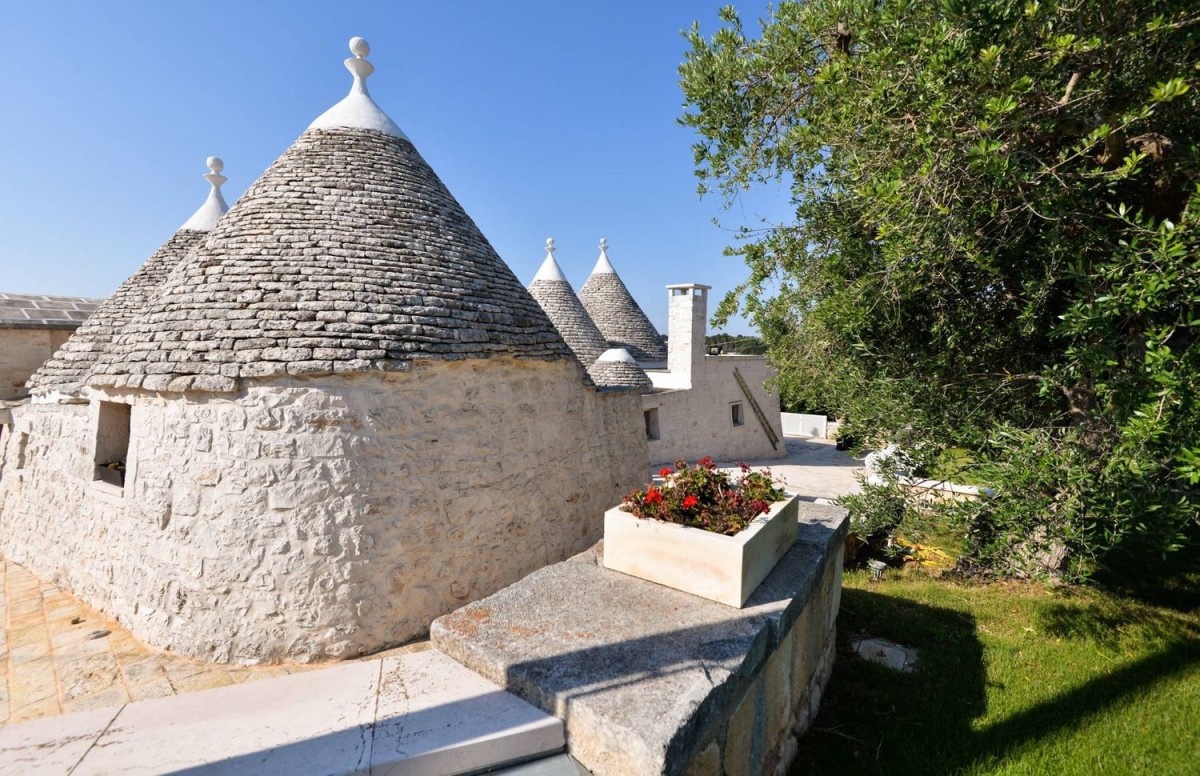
(550, 269)
(359, 67)
(357, 110)
(214, 206)
(214, 176)
(603, 264)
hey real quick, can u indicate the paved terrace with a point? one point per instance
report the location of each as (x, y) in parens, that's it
(813, 468)
(59, 655)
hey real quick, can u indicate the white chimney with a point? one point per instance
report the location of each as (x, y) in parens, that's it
(687, 316)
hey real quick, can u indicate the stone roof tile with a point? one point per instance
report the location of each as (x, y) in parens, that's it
(66, 370)
(350, 243)
(554, 293)
(617, 315)
(616, 368)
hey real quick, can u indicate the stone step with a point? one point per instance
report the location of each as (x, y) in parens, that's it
(415, 713)
(555, 765)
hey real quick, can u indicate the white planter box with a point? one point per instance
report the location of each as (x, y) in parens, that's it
(711, 565)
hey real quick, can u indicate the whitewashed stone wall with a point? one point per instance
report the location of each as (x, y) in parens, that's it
(22, 351)
(323, 518)
(698, 421)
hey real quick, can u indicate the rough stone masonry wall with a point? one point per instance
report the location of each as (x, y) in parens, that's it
(322, 518)
(697, 422)
(761, 734)
(22, 351)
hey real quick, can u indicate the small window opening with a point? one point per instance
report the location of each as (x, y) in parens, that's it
(736, 414)
(651, 418)
(698, 291)
(112, 443)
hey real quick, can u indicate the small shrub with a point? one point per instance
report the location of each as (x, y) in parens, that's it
(702, 496)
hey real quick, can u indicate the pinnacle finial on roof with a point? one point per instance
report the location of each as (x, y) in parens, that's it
(214, 176)
(358, 66)
(550, 269)
(214, 207)
(357, 110)
(603, 264)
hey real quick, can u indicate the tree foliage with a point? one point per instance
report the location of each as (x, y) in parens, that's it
(996, 241)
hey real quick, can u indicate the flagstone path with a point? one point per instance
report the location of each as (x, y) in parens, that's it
(53, 659)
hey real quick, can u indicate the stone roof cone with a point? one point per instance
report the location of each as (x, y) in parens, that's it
(347, 255)
(615, 368)
(66, 370)
(617, 315)
(554, 293)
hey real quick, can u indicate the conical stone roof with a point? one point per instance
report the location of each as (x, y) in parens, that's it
(348, 255)
(616, 368)
(66, 370)
(617, 315)
(554, 293)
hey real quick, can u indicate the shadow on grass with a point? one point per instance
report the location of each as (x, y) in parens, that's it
(873, 720)
(1172, 582)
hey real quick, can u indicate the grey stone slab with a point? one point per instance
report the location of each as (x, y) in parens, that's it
(315, 722)
(886, 653)
(437, 717)
(413, 714)
(558, 765)
(638, 671)
(52, 745)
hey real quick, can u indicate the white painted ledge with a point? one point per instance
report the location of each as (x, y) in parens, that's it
(417, 713)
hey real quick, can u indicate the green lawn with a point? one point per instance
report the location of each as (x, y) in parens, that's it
(1013, 679)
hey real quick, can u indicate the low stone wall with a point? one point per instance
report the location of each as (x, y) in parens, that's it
(319, 518)
(650, 680)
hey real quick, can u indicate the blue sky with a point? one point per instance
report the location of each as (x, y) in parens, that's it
(543, 118)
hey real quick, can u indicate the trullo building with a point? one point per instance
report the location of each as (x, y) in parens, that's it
(617, 314)
(338, 416)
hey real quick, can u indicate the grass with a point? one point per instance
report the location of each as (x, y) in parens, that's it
(1012, 679)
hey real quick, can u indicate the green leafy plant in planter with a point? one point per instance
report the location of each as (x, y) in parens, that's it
(702, 496)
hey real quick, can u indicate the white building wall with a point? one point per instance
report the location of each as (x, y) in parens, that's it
(22, 351)
(698, 422)
(321, 518)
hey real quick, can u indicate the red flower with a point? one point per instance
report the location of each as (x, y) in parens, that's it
(653, 496)
(690, 501)
(664, 472)
(706, 462)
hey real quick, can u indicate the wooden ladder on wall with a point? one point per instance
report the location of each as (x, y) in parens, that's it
(758, 413)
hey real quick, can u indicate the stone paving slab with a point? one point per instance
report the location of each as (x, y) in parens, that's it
(50, 665)
(414, 713)
(634, 668)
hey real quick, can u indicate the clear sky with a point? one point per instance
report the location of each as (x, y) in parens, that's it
(544, 119)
